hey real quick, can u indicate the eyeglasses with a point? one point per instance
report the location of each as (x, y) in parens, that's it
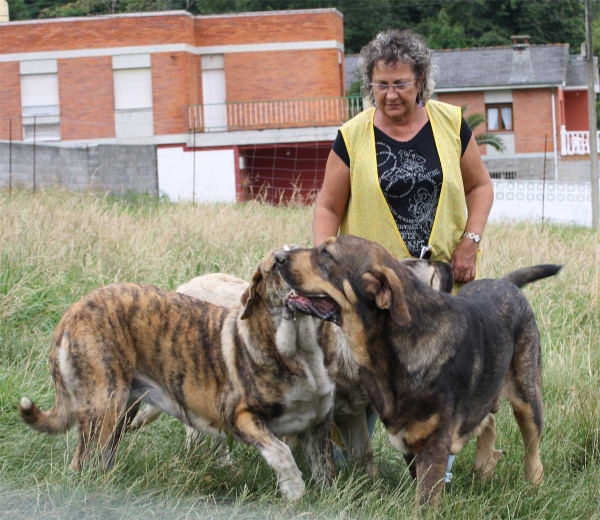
(398, 87)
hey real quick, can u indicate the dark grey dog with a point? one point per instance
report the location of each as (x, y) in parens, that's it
(434, 365)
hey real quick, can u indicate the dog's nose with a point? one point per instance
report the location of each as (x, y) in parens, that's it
(280, 258)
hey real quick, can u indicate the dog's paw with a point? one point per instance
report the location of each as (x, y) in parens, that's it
(487, 470)
(372, 471)
(26, 404)
(535, 474)
(292, 489)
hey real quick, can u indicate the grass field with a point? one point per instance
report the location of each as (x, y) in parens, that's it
(55, 247)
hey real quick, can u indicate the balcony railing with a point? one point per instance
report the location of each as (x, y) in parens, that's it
(259, 115)
(576, 143)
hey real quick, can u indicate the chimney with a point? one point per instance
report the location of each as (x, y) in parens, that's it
(520, 41)
(3, 11)
(522, 68)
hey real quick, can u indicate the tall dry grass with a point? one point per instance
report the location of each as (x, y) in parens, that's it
(56, 246)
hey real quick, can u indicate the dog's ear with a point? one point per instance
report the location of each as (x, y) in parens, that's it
(249, 295)
(384, 286)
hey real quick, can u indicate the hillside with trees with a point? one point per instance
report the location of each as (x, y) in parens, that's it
(444, 23)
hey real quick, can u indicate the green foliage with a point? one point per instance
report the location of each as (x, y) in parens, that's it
(18, 10)
(354, 89)
(444, 24)
(547, 19)
(442, 32)
(77, 8)
(99, 7)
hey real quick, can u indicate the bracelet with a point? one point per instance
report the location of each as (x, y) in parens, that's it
(473, 236)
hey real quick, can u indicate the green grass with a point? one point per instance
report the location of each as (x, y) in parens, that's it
(55, 247)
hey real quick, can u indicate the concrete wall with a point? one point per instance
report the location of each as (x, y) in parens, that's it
(526, 167)
(107, 168)
(574, 170)
(532, 168)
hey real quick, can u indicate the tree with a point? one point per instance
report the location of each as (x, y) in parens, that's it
(548, 21)
(17, 10)
(444, 23)
(77, 8)
(442, 32)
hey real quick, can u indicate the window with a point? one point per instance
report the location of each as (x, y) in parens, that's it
(39, 95)
(40, 106)
(132, 78)
(509, 175)
(133, 89)
(41, 131)
(214, 93)
(500, 117)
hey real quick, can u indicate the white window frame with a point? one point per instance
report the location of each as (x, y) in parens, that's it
(40, 100)
(500, 122)
(132, 88)
(214, 92)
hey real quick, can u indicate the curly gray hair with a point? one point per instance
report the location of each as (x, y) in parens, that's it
(394, 46)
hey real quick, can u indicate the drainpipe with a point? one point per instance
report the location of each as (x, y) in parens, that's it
(554, 136)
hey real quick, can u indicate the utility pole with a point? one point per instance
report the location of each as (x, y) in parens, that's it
(592, 114)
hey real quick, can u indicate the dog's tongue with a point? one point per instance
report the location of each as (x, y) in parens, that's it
(300, 299)
(319, 306)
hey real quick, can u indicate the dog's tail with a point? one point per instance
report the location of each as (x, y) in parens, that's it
(522, 277)
(54, 421)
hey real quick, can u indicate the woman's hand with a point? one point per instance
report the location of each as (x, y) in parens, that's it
(464, 261)
(479, 196)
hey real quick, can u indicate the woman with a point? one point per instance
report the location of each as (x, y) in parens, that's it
(406, 173)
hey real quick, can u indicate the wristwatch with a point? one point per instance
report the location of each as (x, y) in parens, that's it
(473, 236)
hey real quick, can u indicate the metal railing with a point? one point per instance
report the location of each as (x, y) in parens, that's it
(259, 115)
(576, 143)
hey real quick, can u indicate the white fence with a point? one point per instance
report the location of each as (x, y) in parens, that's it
(557, 202)
(576, 143)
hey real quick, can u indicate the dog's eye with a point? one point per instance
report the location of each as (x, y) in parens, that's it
(327, 254)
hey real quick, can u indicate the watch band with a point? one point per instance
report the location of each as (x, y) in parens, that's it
(473, 236)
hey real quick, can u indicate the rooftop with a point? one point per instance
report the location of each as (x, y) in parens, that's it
(493, 67)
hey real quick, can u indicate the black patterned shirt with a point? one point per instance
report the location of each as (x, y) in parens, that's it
(410, 177)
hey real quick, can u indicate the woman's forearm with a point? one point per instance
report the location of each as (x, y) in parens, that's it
(479, 204)
(325, 224)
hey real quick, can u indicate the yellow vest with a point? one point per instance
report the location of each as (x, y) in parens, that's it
(368, 214)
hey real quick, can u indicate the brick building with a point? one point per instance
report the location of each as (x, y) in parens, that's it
(534, 97)
(227, 100)
(232, 106)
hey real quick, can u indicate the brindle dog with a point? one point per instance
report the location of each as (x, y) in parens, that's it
(351, 400)
(434, 365)
(249, 370)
